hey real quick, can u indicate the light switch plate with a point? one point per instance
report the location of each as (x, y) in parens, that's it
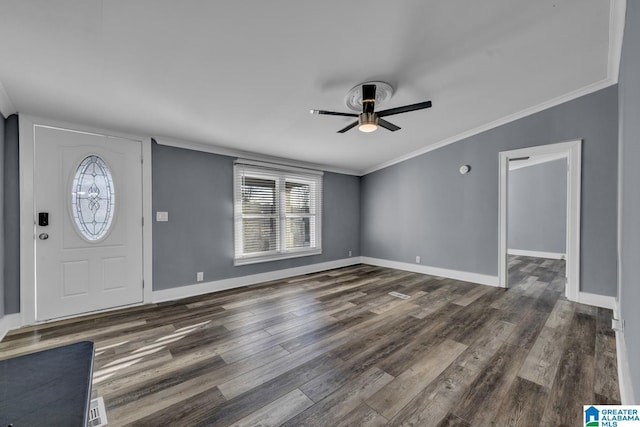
(162, 216)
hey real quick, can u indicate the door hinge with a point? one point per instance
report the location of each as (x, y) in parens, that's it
(143, 221)
(617, 325)
(143, 284)
(141, 159)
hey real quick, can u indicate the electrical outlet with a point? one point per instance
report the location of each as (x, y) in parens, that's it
(200, 276)
(417, 259)
(349, 253)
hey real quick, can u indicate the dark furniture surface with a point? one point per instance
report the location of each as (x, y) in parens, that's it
(47, 388)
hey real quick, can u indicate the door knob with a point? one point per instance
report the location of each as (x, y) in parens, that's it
(43, 236)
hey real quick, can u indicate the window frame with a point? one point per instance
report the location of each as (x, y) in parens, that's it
(281, 175)
(75, 208)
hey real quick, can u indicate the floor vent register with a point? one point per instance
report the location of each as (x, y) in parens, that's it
(399, 295)
(97, 413)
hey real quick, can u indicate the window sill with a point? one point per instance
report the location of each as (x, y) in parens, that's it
(275, 257)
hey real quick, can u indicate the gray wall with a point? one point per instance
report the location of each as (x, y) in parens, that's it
(11, 216)
(537, 207)
(629, 87)
(424, 206)
(2, 120)
(197, 190)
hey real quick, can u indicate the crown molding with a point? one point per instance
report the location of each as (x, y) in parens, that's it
(6, 106)
(594, 87)
(225, 151)
(617, 11)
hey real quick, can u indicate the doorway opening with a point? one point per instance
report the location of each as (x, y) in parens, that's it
(69, 265)
(537, 223)
(549, 250)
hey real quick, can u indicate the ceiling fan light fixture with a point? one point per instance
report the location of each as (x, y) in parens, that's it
(369, 119)
(367, 122)
(367, 127)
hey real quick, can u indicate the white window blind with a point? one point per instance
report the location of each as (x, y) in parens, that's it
(277, 212)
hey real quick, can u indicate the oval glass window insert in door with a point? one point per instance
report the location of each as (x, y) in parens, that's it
(93, 198)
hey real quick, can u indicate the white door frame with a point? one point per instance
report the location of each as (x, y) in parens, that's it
(28, 215)
(572, 150)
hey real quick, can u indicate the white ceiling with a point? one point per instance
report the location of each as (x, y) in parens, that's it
(244, 74)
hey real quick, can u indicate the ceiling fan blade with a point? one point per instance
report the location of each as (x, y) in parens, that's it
(333, 113)
(351, 126)
(387, 125)
(405, 109)
(368, 98)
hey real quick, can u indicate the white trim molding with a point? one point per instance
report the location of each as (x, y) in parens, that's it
(617, 13)
(572, 150)
(596, 300)
(246, 155)
(537, 254)
(27, 243)
(187, 291)
(27, 211)
(147, 222)
(278, 167)
(6, 106)
(466, 276)
(9, 322)
(497, 123)
(627, 396)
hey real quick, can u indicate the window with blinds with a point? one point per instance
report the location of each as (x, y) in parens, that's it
(277, 212)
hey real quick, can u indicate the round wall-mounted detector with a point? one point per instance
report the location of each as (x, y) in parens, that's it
(464, 169)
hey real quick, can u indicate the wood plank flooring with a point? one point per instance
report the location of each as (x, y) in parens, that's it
(334, 348)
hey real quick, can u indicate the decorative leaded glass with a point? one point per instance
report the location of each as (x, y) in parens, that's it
(93, 198)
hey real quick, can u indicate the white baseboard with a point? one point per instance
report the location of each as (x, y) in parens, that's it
(483, 279)
(13, 321)
(624, 374)
(597, 300)
(9, 322)
(537, 254)
(236, 282)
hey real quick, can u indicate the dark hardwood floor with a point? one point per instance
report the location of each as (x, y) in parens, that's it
(334, 348)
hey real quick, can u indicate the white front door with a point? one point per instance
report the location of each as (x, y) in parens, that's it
(88, 214)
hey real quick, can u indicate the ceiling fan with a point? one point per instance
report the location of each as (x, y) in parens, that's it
(369, 119)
